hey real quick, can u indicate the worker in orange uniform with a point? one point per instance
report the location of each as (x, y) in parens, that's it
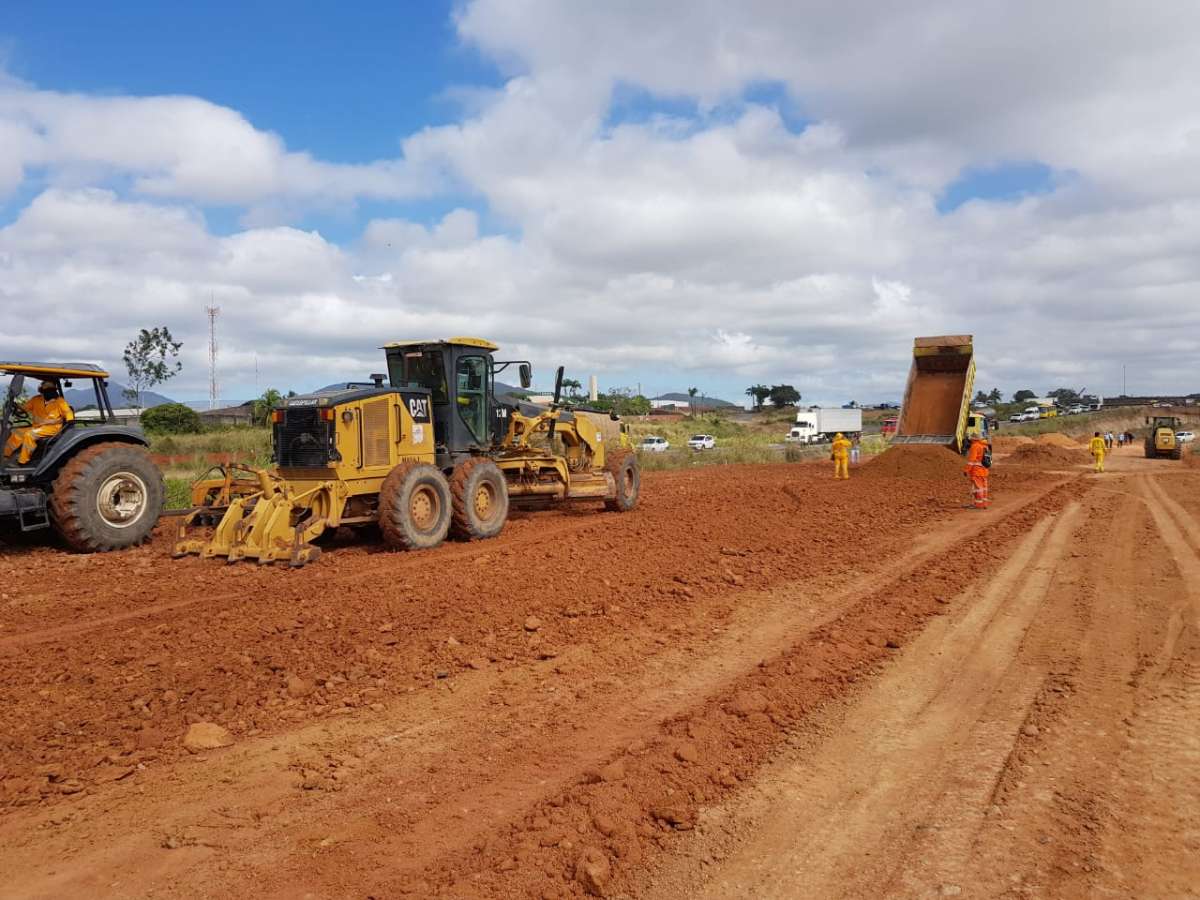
(979, 462)
(48, 412)
(1098, 448)
(841, 456)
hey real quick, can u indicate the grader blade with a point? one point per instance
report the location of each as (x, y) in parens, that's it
(273, 525)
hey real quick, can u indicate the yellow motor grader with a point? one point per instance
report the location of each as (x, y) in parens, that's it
(424, 451)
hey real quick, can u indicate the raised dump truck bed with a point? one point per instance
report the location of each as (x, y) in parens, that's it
(938, 394)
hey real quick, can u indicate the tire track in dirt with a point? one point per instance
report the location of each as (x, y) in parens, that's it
(1152, 844)
(381, 562)
(494, 786)
(879, 778)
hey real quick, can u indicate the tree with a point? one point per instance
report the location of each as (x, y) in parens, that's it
(981, 399)
(172, 418)
(759, 393)
(623, 401)
(150, 358)
(692, 392)
(994, 397)
(782, 395)
(1022, 396)
(260, 409)
(571, 386)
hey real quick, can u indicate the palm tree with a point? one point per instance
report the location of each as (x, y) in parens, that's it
(692, 392)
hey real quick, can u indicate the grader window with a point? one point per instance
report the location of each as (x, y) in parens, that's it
(472, 378)
(419, 369)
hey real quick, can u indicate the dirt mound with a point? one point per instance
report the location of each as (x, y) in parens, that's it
(1058, 439)
(1048, 455)
(1010, 442)
(922, 461)
(1191, 459)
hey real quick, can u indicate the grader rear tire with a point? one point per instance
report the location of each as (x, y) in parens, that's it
(623, 466)
(479, 500)
(414, 507)
(107, 497)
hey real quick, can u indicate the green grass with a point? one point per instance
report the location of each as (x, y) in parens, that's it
(757, 442)
(179, 492)
(251, 446)
(242, 443)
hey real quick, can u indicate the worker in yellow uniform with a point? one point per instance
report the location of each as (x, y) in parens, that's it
(48, 412)
(979, 461)
(1098, 447)
(841, 456)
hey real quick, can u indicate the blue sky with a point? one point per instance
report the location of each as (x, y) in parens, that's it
(345, 86)
(343, 82)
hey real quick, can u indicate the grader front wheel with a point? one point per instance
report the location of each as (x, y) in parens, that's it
(623, 467)
(414, 507)
(479, 499)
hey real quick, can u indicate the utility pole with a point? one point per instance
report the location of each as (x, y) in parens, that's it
(1124, 390)
(214, 393)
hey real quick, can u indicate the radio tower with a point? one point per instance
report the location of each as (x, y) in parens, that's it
(213, 393)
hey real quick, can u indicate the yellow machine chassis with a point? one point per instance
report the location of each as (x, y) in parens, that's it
(277, 519)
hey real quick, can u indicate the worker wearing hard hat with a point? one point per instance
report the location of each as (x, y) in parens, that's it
(1098, 448)
(48, 412)
(841, 456)
(979, 463)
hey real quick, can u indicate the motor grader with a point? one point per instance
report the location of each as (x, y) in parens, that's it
(425, 451)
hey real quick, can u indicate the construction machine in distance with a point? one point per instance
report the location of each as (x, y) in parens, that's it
(424, 451)
(1162, 440)
(936, 408)
(93, 483)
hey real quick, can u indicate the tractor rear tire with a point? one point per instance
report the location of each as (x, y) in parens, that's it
(479, 500)
(414, 507)
(624, 468)
(108, 496)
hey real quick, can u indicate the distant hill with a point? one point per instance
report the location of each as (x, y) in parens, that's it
(79, 397)
(707, 402)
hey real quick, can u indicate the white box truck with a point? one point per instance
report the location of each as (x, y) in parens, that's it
(816, 426)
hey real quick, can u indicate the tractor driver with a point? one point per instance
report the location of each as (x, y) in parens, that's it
(47, 412)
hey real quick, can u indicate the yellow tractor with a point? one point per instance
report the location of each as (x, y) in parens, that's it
(424, 451)
(1162, 439)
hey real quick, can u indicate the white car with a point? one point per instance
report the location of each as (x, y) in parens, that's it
(702, 442)
(654, 444)
(1185, 437)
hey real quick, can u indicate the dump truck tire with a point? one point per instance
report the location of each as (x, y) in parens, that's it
(479, 500)
(414, 507)
(623, 466)
(108, 496)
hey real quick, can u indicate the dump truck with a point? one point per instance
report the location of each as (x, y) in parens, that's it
(422, 452)
(1162, 441)
(937, 397)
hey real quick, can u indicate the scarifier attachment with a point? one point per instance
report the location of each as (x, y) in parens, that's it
(275, 524)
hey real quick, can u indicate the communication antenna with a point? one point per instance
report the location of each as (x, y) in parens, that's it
(214, 393)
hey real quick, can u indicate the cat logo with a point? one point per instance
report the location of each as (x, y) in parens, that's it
(418, 408)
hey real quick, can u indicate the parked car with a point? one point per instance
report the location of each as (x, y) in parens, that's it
(1074, 410)
(653, 444)
(1185, 437)
(702, 442)
(1017, 417)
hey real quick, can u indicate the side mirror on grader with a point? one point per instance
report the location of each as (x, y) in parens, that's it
(430, 453)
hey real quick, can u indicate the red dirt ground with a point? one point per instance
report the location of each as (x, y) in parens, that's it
(556, 712)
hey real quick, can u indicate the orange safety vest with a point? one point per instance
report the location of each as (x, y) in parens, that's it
(975, 454)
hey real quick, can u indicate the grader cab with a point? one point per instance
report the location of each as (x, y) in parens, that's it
(425, 451)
